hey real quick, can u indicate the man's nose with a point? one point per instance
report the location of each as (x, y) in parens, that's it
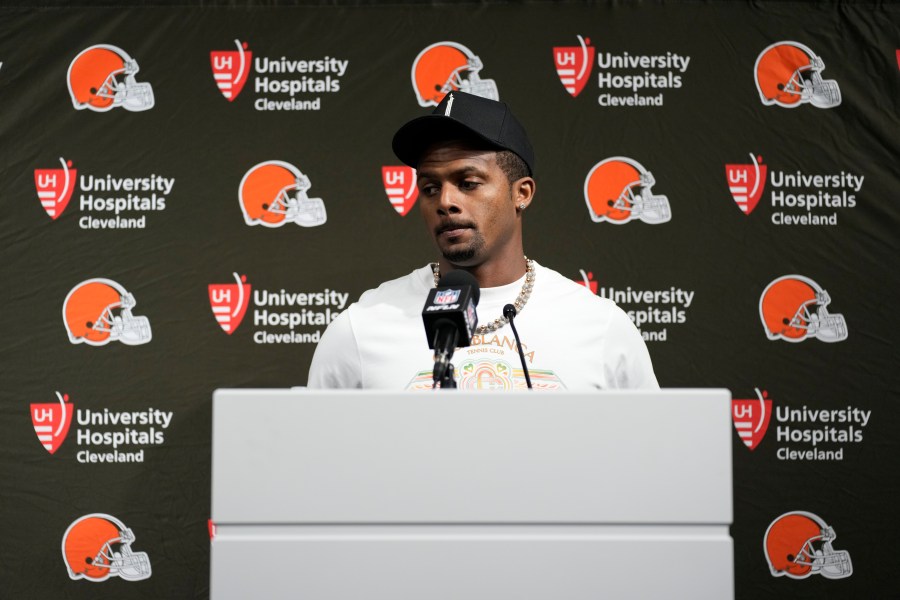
(448, 203)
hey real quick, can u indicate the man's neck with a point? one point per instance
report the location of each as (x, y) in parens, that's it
(493, 273)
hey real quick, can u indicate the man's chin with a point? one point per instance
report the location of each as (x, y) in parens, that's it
(460, 256)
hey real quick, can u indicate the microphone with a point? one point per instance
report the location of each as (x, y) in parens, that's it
(450, 320)
(509, 311)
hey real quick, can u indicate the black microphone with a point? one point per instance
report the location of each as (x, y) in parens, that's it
(509, 311)
(450, 320)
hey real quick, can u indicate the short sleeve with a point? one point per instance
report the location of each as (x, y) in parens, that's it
(627, 359)
(336, 363)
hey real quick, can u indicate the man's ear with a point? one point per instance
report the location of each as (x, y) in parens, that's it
(523, 191)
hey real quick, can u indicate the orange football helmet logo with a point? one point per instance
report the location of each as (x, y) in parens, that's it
(445, 67)
(273, 193)
(101, 78)
(790, 74)
(798, 544)
(620, 189)
(98, 546)
(793, 308)
(98, 311)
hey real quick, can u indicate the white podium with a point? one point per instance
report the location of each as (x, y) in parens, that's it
(451, 495)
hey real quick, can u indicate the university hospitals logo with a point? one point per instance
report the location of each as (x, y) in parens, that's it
(55, 186)
(279, 83)
(105, 200)
(273, 193)
(794, 308)
(653, 311)
(98, 311)
(98, 546)
(798, 544)
(51, 422)
(102, 78)
(400, 187)
(624, 78)
(619, 189)
(102, 435)
(746, 183)
(574, 65)
(751, 418)
(445, 67)
(789, 74)
(230, 69)
(229, 302)
(798, 197)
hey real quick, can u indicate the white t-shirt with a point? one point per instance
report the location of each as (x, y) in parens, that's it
(572, 339)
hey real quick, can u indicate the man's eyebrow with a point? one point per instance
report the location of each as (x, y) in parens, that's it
(462, 171)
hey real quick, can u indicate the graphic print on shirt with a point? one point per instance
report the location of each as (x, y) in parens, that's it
(492, 363)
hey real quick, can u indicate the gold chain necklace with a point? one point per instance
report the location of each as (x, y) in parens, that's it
(519, 303)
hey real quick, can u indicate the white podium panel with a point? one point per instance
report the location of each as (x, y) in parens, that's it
(455, 495)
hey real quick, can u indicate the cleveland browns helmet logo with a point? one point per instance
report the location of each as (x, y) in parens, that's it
(445, 67)
(620, 189)
(98, 546)
(101, 78)
(798, 544)
(98, 311)
(274, 193)
(790, 74)
(794, 308)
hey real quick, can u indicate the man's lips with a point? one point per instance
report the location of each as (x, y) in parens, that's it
(452, 229)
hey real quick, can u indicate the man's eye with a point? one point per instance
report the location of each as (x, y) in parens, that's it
(429, 190)
(469, 185)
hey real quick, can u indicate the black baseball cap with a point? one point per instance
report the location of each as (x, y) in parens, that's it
(464, 116)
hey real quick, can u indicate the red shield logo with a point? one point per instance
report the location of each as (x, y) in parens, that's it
(574, 65)
(751, 418)
(746, 183)
(229, 302)
(54, 187)
(400, 187)
(230, 69)
(51, 422)
(587, 280)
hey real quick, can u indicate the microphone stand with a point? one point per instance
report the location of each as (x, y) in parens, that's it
(443, 368)
(447, 381)
(509, 311)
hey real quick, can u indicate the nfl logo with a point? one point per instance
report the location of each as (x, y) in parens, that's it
(446, 296)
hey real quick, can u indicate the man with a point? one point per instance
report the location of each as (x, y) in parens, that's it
(474, 173)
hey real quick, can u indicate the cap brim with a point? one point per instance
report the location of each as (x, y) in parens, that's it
(411, 140)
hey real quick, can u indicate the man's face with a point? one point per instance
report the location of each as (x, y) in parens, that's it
(467, 202)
